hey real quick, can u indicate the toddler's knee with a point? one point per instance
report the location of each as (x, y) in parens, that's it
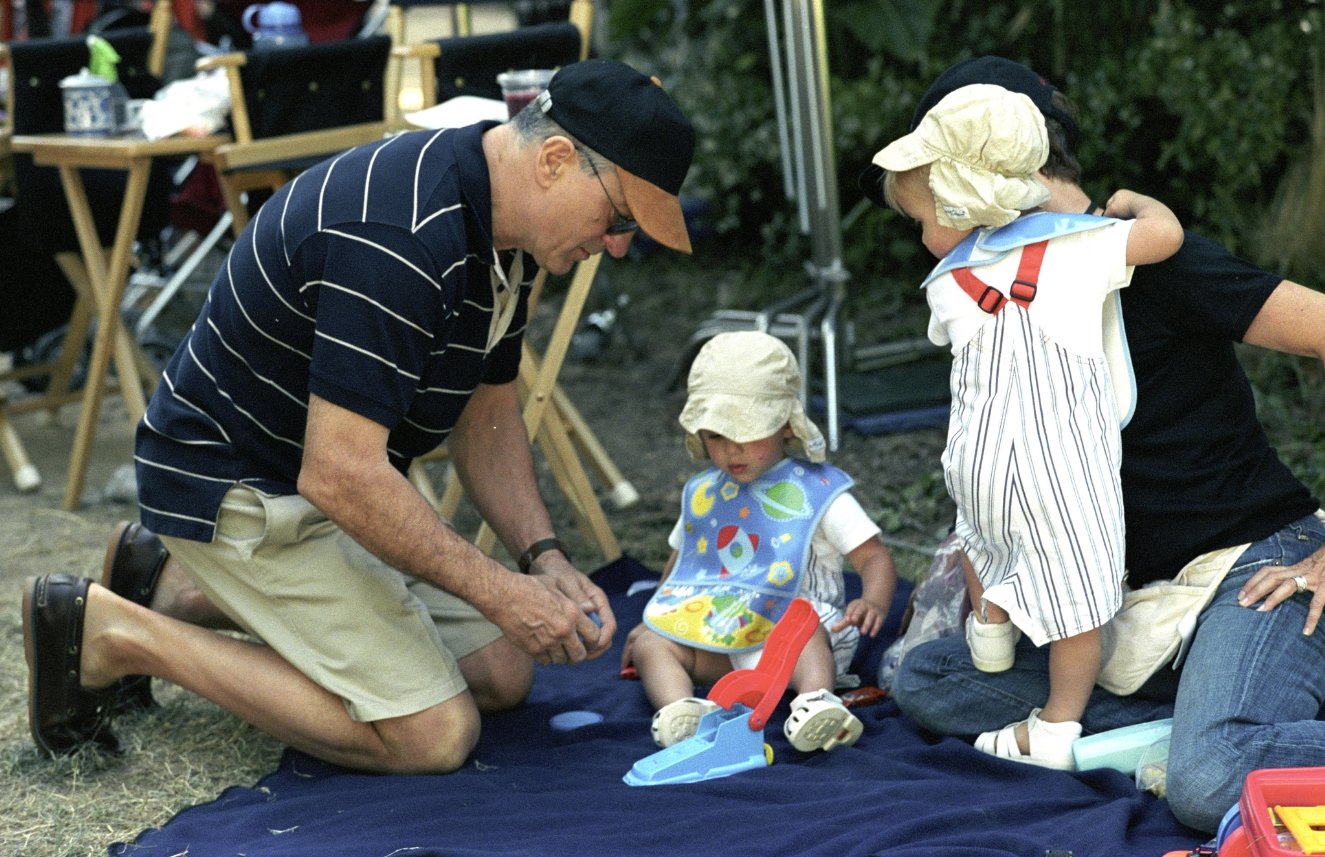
(651, 650)
(645, 644)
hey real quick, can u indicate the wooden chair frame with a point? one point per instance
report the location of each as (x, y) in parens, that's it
(60, 368)
(552, 420)
(554, 424)
(425, 52)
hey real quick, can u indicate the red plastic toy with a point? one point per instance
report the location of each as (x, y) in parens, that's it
(761, 688)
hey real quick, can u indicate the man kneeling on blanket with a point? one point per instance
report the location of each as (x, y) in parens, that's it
(372, 309)
(766, 522)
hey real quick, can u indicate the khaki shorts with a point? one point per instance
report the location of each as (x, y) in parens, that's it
(383, 642)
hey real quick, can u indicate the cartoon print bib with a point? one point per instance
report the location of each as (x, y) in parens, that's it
(743, 555)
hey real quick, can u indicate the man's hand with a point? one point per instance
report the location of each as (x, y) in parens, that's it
(551, 613)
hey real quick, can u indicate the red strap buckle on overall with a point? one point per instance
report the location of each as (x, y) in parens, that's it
(1024, 286)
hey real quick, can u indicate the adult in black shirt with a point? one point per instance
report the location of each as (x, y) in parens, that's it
(1201, 482)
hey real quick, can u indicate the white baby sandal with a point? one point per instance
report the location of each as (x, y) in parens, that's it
(1050, 744)
(819, 721)
(677, 721)
(993, 645)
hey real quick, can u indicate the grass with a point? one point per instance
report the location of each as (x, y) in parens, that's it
(183, 753)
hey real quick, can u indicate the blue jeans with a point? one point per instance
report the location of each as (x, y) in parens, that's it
(1246, 697)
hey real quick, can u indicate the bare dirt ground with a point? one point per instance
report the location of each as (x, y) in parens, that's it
(187, 751)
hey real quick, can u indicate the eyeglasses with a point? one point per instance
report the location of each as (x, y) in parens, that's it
(622, 224)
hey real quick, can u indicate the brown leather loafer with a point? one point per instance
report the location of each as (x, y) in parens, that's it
(131, 569)
(62, 715)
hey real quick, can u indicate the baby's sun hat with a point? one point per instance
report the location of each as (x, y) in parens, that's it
(984, 146)
(745, 386)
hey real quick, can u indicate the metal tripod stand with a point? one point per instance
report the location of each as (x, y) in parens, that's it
(804, 116)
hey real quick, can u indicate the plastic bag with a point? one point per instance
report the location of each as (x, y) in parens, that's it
(195, 106)
(938, 607)
(1153, 768)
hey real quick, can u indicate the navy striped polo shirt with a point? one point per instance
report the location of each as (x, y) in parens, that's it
(368, 281)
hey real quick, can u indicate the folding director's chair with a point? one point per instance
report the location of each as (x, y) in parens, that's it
(557, 428)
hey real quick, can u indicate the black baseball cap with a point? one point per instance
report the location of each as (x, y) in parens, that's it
(629, 119)
(1012, 76)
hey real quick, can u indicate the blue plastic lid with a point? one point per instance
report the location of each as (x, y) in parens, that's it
(568, 720)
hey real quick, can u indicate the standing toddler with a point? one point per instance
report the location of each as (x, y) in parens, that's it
(1026, 302)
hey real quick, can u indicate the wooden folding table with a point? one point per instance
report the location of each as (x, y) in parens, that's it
(107, 276)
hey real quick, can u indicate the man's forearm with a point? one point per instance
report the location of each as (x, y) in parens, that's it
(346, 474)
(490, 449)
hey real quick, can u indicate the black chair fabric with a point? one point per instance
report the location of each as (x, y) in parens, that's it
(39, 224)
(38, 66)
(526, 11)
(309, 88)
(469, 65)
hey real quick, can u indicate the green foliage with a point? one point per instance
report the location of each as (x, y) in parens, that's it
(911, 508)
(1218, 111)
(1204, 105)
(1208, 106)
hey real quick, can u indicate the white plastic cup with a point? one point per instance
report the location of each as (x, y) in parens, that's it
(522, 86)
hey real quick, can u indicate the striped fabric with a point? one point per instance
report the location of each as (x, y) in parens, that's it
(1034, 474)
(370, 281)
(1033, 451)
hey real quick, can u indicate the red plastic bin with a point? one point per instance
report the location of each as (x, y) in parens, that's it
(1267, 787)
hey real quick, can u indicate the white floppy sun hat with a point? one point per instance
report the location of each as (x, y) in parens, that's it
(745, 386)
(984, 146)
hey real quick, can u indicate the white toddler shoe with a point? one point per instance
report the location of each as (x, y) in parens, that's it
(1050, 743)
(993, 645)
(819, 721)
(677, 721)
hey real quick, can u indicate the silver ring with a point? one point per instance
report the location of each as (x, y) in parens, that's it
(1301, 582)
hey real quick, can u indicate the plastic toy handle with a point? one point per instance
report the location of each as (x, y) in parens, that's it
(761, 688)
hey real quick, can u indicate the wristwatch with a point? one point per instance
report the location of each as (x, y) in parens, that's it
(538, 548)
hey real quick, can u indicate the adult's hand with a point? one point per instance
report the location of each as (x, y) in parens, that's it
(1274, 584)
(553, 570)
(548, 614)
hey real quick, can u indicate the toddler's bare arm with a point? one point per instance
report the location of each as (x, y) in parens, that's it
(1156, 234)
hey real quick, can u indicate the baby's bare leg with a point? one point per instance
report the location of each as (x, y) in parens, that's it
(1074, 664)
(670, 671)
(984, 612)
(815, 669)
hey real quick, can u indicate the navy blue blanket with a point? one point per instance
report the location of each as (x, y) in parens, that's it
(531, 789)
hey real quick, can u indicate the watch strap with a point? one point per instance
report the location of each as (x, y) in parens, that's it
(552, 543)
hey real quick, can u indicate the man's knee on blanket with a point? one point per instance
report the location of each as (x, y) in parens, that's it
(434, 741)
(499, 676)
